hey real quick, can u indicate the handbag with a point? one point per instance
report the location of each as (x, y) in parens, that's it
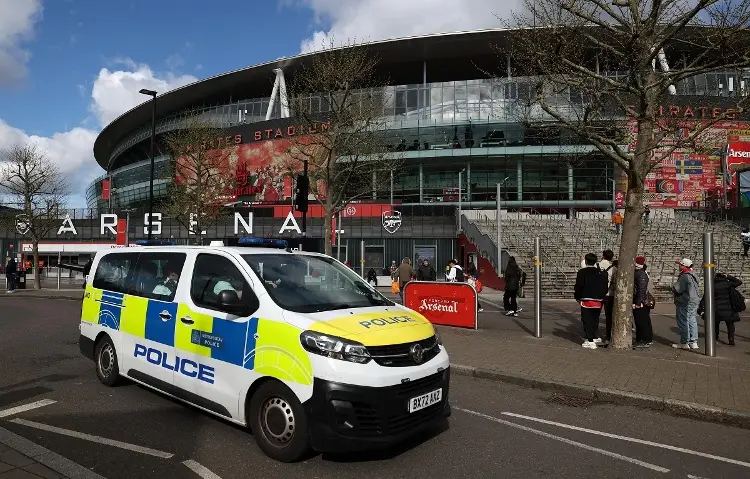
(395, 288)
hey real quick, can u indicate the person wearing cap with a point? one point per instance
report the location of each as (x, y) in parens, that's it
(644, 334)
(687, 298)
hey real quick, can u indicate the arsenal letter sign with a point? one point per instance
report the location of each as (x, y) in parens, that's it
(448, 304)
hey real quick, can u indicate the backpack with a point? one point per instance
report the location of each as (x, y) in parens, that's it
(737, 300)
(459, 275)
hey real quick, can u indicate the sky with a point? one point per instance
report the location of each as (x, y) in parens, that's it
(69, 67)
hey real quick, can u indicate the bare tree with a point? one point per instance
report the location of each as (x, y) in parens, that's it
(343, 140)
(203, 175)
(33, 185)
(600, 69)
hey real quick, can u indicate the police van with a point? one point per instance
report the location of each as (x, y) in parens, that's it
(293, 345)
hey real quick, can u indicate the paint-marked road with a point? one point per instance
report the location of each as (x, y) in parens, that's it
(96, 439)
(630, 439)
(25, 407)
(565, 440)
(199, 469)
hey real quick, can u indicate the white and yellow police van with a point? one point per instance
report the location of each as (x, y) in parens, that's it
(292, 344)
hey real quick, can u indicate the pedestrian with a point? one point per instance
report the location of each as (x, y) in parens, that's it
(454, 273)
(393, 269)
(725, 308)
(426, 272)
(10, 274)
(608, 266)
(512, 279)
(372, 277)
(474, 275)
(644, 334)
(617, 220)
(590, 290)
(745, 236)
(404, 274)
(687, 296)
(646, 214)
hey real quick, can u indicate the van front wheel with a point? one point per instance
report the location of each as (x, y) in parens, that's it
(107, 369)
(279, 423)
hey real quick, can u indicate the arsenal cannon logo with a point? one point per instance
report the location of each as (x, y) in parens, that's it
(391, 221)
(23, 223)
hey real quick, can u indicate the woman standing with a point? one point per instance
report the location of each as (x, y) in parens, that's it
(644, 335)
(724, 310)
(512, 285)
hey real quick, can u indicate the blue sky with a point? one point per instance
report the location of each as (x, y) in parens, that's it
(69, 67)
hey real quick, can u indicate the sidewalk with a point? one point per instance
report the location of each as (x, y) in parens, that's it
(683, 382)
(23, 459)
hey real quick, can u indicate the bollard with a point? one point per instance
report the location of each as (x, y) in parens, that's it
(708, 294)
(537, 289)
(59, 269)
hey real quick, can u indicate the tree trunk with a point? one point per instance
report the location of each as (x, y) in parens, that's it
(631, 234)
(35, 266)
(328, 226)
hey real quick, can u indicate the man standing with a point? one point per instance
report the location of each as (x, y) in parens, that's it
(745, 236)
(646, 214)
(10, 274)
(426, 272)
(404, 274)
(686, 299)
(607, 265)
(617, 220)
(590, 290)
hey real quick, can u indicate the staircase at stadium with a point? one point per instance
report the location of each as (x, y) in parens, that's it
(668, 237)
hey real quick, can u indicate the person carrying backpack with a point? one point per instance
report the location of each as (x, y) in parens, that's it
(728, 303)
(455, 273)
(513, 279)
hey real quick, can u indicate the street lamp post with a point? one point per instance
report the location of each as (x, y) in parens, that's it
(460, 175)
(152, 94)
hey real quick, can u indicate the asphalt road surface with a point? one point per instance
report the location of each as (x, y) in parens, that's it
(496, 430)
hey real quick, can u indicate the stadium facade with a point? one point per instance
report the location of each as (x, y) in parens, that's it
(446, 117)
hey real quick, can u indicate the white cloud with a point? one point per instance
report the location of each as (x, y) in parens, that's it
(116, 92)
(371, 20)
(17, 21)
(113, 93)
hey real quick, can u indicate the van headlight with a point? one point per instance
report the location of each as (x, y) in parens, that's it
(334, 347)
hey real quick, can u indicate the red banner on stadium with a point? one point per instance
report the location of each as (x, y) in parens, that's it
(122, 232)
(105, 189)
(448, 304)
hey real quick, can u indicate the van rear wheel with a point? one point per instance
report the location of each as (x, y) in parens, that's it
(107, 369)
(279, 423)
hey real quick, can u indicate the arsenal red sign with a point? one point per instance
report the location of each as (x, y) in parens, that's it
(448, 304)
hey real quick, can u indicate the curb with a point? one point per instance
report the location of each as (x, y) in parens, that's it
(44, 296)
(61, 465)
(670, 406)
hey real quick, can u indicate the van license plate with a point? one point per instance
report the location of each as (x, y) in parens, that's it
(425, 400)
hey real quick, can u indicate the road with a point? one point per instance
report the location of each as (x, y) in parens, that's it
(496, 430)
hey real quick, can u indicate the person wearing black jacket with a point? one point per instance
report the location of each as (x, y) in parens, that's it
(512, 285)
(10, 274)
(372, 276)
(426, 272)
(644, 334)
(589, 292)
(723, 310)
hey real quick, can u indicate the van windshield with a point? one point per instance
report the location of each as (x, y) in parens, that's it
(310, 284)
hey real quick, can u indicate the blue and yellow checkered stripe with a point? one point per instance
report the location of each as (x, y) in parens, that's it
(265, 346)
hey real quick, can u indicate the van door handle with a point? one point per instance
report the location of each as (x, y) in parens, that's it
(187, 320)
(165, 316)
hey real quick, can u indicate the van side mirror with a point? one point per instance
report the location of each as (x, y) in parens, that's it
(230, 302)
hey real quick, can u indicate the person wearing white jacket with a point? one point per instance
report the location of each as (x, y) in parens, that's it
(609, 266)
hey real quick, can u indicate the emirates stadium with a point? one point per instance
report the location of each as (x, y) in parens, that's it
(461, 142)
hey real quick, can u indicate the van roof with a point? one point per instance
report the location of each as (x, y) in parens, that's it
(236, 249)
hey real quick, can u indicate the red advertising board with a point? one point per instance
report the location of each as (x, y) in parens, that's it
(105, 189)
(447, 304)
(121, 231)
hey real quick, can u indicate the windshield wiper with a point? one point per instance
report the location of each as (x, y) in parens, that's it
(375, 298)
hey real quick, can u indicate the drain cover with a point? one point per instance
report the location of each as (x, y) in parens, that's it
(570, 401)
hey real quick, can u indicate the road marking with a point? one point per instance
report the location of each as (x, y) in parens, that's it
(96, 439)
(200, 469)
(499, 307)
(690, 476)
(26, 407)
(565, 440)
(631, 439)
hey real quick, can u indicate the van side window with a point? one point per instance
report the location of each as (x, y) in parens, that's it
(113, 271)
(157, 275)
(213, 274)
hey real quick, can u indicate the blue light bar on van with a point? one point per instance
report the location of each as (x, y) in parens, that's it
(155, 243)
(262, 242)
